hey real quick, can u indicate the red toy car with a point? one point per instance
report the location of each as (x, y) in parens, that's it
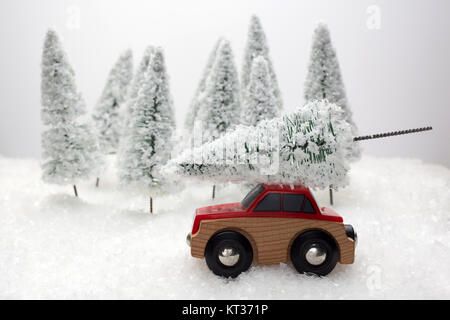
(272, 224)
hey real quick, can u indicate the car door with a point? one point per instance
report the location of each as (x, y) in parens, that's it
(268, 205)
(298, 205)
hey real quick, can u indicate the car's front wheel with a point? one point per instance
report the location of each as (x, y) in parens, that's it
(314, 252)
(228, 254)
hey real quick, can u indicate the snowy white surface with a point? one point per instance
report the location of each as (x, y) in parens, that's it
(106, 245)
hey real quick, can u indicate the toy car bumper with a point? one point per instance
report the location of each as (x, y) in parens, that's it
(351, 233)
(188, 239)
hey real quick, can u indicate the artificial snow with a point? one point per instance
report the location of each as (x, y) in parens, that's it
(105, 244)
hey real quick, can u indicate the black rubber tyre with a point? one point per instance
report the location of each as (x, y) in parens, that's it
(306, 241)
(228, 239)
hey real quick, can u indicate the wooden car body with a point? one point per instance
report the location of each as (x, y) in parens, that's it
(271, 233)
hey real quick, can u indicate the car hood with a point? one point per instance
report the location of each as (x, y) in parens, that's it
(221, 208)
(331, 214)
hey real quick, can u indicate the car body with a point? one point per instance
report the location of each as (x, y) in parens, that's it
(273, 224)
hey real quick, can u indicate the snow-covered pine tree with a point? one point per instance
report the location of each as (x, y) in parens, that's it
(134, 88)
(200, 93)
(69, 150)
(106, 113)
(152, 126)
(123, 163)
(260, 100)
(220, 108)
(257, 46)
(304, 147)
(324, 80)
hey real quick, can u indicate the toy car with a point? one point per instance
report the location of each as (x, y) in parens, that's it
(272, 224)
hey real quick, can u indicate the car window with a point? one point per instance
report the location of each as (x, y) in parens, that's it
(308, 207)
(293, 202)
(271, 202)
(252, 195)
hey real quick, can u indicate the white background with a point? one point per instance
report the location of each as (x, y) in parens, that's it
(396, 76)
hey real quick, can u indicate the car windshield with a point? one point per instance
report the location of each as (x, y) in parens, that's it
(251, 196)
(314, 199)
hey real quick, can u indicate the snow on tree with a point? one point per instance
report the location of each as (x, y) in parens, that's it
(220, 108)
(200, 93)
(260, 100)
(69, 150)
(106, 114)
(324, 80)
(127, 112)
(257, 46)
(305, 147)
(151, 127)
(134, 89)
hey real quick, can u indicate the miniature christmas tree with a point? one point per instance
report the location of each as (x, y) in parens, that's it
(324, 80)
(106, 116)
(106, 113)
(305, 147)
(69, 150)
(260, 100)
(257, 46)
(124, 144)
(220, 108)
(200, 93)
(134, 88)
(152, 125)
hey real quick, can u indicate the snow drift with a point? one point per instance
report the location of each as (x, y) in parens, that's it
(105, 244)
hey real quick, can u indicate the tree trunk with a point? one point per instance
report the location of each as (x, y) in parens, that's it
(331, 195)
(151, 205)
(97, 182)
(214, 192)
(75, 190)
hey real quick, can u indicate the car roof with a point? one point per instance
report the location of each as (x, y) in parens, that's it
(280, 187)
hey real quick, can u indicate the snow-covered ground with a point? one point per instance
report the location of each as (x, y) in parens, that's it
(105, 244)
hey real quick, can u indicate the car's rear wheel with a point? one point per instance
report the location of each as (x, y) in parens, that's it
(228, 254)
(314, 252)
